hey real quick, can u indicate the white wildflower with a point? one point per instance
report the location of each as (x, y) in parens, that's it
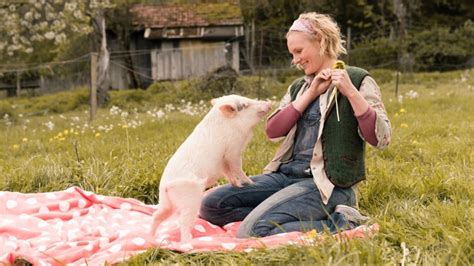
(115, 110)
(49, 125)
(411, 94)
(400, 98)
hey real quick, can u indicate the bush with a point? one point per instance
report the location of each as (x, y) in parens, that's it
(440, 48)
(377, 53)
(220, 82)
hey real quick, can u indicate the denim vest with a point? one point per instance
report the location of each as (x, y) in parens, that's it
(306, 135)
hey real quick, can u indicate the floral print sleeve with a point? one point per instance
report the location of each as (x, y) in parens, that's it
(371, 92)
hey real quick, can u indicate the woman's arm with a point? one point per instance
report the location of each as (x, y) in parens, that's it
(368, 96)
(281, 122)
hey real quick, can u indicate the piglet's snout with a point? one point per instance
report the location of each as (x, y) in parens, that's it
(265, 107)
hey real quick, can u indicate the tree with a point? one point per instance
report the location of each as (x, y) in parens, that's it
(34, 28)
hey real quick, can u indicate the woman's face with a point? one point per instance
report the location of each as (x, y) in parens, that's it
(305, 51)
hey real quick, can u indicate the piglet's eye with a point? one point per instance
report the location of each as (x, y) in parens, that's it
(245, 105)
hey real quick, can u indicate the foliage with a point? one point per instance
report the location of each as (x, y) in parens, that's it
(419, 190)
(443, 49)
(31, 26)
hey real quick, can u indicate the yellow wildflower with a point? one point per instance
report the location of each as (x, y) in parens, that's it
(66, 132)
(312, 234)
(402, 110)
(403, 125)
(97, 134)
(15, 146)
(24, 140)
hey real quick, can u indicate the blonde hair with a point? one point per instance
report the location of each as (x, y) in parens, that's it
(326, 31)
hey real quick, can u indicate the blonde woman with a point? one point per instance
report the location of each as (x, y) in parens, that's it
(323, 121)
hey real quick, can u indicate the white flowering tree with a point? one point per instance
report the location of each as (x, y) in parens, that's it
(32, 30)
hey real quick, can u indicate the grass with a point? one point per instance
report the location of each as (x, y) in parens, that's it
(419, 189)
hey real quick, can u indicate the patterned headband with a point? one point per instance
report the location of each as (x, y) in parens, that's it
(302, 25)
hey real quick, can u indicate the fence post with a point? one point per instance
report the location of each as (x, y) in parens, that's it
(18, 83)
(93, 92)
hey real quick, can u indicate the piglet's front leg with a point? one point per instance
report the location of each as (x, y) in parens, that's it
(236, 172)
(231, 177)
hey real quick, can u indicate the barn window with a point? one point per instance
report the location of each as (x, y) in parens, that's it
(175, 44)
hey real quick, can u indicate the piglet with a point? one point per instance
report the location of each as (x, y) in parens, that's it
(213, 150)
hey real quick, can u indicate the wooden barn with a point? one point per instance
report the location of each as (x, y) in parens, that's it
(179, 41)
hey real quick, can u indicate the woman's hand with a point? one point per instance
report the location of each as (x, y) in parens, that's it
(341, 80)
(317, 87)
(320, 83)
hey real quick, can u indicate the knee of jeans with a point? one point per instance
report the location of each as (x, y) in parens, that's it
(261, 228)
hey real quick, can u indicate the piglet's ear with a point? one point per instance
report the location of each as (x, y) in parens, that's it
(228, 110)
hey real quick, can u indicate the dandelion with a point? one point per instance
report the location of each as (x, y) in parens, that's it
(97, 134)
(15, 146)
(402, 110)
(24, 140)
(312, 234)
(403, 125)
(66, 132)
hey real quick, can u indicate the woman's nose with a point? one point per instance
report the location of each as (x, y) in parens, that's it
(295, 61)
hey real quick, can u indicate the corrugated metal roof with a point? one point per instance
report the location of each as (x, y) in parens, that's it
(186, 15)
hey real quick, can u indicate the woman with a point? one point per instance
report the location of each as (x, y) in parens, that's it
(324, 120)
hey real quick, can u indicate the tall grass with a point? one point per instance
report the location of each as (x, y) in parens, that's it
(419, 189)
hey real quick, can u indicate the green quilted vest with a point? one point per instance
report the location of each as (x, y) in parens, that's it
(343, 149)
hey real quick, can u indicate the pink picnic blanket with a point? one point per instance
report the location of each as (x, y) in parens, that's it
(78, 227)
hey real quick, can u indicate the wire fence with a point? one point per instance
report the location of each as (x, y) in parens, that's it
(270, 57)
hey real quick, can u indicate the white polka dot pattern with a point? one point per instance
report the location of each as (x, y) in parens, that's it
(103, 229)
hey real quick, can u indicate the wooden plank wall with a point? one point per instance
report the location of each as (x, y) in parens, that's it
(192, 59)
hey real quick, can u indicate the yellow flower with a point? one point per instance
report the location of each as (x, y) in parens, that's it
(402, 110)
(61, 139)
(312, 234)
(396, 114)
(24, 140)
(97, 134)
(414, 142)
(60, 134)
(50, 139)
(66, 132)
(125, 126)
(403, 125)
(15, 146)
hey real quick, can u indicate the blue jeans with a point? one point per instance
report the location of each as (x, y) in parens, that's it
(276, 203)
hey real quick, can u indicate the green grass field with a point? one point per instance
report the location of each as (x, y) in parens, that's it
(419, 190)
